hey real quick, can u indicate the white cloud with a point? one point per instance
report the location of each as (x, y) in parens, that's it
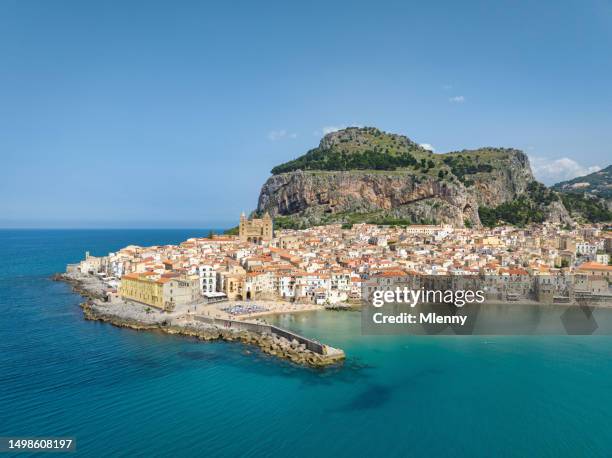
(329, 129)
(274, 135)
(427, 146)
(551, 171)
(457, 99)
(447, 87)
(326, 130)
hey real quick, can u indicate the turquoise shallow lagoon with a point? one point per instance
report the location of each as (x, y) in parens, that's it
(127, 393)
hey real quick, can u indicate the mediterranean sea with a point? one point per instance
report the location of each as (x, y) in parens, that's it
(126, 393)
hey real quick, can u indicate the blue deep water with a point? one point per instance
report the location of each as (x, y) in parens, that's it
(125, 393)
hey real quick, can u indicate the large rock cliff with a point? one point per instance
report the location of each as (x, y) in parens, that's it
(318, 197)
(364, 174)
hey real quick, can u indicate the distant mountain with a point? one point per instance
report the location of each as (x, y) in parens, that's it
(588, 198)
(597, 184)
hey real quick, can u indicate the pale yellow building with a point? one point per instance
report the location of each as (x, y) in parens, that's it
(231, 282)
(256, 230)
(164, 292)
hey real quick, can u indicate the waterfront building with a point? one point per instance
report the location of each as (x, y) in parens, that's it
(595, 268)
(141, 287)
(164, 292)
(91, 264)
(285, 285)
(208, 278)
(259, 285)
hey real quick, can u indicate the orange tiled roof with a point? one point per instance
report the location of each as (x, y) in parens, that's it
(595, 266)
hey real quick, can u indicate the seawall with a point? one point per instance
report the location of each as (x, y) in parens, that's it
(270, 339)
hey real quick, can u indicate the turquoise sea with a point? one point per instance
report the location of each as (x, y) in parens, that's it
(126, 393)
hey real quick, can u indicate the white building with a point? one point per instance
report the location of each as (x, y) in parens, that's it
(441, 230)
(208, 278)
(586, 249)
(602, 258)
(285, 286)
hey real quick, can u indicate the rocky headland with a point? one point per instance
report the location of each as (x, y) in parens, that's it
(367, 175)
(142, 318)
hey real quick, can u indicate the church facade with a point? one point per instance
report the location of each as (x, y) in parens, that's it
(256, 230)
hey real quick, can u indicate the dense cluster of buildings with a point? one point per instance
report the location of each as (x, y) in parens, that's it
(328, 264)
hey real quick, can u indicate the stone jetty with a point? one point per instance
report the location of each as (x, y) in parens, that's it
(270, 339)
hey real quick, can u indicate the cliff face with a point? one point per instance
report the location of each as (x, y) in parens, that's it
(556, 212)
(316, 197)
(391, 177)
(505, 182)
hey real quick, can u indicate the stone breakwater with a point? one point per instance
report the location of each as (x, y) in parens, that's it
(141, 319)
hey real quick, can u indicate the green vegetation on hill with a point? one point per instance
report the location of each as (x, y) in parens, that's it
(529, 207)
(232, 231)
(317, 159)
(364, 148)
(347, 219)
(373, 150)
(487, 153)
(519, 212)
(462, 165)
(287, 222)
(380, 218)
(526, 209)
(589, 208)
(597, 183)
(585, 197)
(540, 194)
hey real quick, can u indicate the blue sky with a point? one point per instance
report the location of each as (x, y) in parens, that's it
(171, 114)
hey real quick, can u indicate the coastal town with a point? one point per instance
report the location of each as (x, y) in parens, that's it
(261, 270)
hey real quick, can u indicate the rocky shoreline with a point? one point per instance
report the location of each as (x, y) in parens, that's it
(95, 308)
